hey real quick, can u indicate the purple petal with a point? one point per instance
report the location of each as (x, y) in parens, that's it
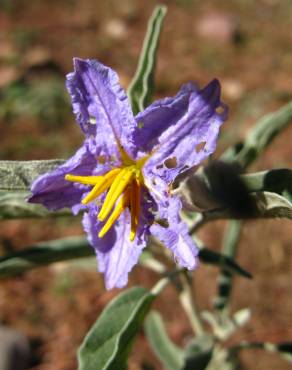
(176, 236)
(116, 254)
(101, 105)
(161, 115)
(178, 147)
(54, 192)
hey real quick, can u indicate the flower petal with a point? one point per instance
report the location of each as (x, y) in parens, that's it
(101, 105)
(176, 236)
(116, 254)
(161, 115)
(54, 192)
(192, 138)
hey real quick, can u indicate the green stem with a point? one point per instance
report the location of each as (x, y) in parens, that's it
(186, 298)
(229, 249)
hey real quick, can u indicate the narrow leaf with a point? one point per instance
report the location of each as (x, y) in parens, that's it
(142, 86)
(199, 352)
(169, 354)
(64, 249)
(226, 263)
(43, 254)
(216, 186)
(277, 181)
(18, 175)
(14, 205)
(270, 205)
(15, 181)
(107, 344)
(220, 188)
(267, 205)
(259, 137)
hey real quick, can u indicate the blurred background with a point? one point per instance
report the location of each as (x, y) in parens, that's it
(245, 44)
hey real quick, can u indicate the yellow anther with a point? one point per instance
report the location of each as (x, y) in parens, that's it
(135, 207)
(103, 183)
(121, 206)
(117, 188)
(124, 183)
(86, 180)
(98, 189)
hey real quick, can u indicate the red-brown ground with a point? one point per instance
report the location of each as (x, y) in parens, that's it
(247, 45)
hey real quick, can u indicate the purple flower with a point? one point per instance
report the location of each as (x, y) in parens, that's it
(122, 174)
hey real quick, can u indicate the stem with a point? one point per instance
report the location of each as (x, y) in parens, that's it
(200, 221)
(186, 298)
(183, 285)
(162, 283)
(229, 249)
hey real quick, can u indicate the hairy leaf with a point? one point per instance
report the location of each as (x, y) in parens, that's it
(226, 263)
(107, 344)
(169, 354)
(199, 352)
(142, 86)
(14, 205)
(15, 180)
(220, 187)
(267, 205)
(259, 137)
(277, 181)
(18, 175)
(43, 254)
(270, 205)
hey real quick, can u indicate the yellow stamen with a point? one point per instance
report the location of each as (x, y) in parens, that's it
(102, 184)
(117, 188)
(122, 204)
(124, 186)
(135, 207)
(86, 180)
(98, 189)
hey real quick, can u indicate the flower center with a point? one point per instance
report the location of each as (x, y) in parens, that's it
(124, 186)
